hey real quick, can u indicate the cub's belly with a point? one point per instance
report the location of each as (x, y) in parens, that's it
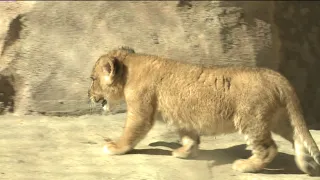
(201, 109)
(200, 122)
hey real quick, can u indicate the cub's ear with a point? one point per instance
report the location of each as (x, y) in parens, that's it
(111, 69)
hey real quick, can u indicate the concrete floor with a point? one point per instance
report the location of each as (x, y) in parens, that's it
(39, 147)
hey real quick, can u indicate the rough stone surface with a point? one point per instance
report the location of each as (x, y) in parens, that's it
(298, 30)
(48, 48)
(60, 41)
(42, 147)
(9, 37)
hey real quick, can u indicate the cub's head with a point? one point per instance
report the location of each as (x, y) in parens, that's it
(108, 76)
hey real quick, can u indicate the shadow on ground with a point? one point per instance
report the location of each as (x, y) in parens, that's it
(282, 164)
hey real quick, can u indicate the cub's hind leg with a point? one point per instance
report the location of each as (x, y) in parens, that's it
(264, 150)
(190, 143)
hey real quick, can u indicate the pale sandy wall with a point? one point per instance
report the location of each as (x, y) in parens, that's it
(48, 52)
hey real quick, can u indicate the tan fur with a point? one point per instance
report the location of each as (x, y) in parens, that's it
(204, 101)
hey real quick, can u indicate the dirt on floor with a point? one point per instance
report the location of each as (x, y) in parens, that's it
(44, 148)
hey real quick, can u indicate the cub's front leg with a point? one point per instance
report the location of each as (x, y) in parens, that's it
(139, 121)
(190, 141)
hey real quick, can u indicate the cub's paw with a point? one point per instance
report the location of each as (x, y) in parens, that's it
(247, 166)
(185, 153)
(111, 148)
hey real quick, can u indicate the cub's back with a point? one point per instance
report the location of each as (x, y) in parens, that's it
(172, 78)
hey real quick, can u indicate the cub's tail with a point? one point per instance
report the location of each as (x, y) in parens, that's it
(302, 135)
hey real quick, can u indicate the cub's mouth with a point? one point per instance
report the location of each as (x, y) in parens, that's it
(104, 102)
(101, 100)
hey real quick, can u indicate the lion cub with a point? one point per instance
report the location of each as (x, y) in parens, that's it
(204, 101)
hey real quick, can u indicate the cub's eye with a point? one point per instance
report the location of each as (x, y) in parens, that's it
(93, 78)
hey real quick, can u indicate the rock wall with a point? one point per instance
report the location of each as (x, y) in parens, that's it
(10, 40)
(48, 48)
(297, 26)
